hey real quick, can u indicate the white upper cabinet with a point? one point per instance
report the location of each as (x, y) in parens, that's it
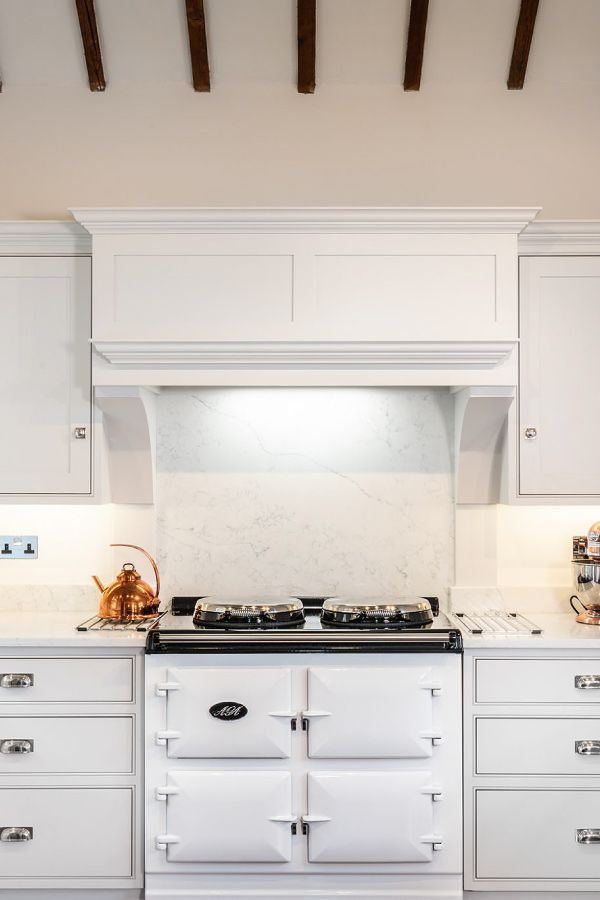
(559, 432)
(45, 304)
(184, 291)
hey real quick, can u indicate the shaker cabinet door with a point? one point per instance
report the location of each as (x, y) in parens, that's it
(560, 322)
(229, 816)
(370, 712)
(45, 405)
(364, 817)
(229, 712)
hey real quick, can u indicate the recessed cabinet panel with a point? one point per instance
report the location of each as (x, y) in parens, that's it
(537, 680)
(534, 834)
(74, 833)
(406, 296)
(46, 680)
(363, 817)
(200, 297)
(229, 816)
(560, 322)
(358, 712)
(45, 310)
(538, 746)
(62, 744)
(242, 712)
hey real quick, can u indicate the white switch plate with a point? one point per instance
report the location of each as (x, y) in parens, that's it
(22, 546)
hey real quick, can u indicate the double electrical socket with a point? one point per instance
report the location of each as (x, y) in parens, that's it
(23, 546)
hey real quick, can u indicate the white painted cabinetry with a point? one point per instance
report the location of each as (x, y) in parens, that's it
(70, 772)
(45, 402)
(532, 771)
(558, 430)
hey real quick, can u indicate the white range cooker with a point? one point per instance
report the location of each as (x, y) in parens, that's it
(303, 746)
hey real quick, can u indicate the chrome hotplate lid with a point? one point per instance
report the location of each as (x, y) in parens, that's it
(248, 612)
(377, 611)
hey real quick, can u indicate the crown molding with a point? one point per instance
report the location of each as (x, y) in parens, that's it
(360, 220)
(560, 236)
(305, 354)
(46, 238)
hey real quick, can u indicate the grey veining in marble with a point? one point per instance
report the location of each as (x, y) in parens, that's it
(305, 490)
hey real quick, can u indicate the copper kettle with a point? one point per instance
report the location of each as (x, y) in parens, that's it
(128, 597)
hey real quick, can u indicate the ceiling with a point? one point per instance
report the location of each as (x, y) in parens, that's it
(145, 44)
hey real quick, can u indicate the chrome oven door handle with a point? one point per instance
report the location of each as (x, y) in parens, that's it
(587, 682)
(587, 748)
(587, 835)
(16, 745)
(16, 833)
(16, 680)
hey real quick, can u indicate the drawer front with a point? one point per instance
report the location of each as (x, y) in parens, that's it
(533, 834)
(538, 746)
(99, 680)
(60, 744)
(537, 681)
(74, 833)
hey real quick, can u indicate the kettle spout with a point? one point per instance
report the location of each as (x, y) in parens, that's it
(98, 583)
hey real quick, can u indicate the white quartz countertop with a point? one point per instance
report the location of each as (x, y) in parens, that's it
(49, 628)
(559, 631)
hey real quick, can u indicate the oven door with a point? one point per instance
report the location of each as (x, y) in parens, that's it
(227, 816)
(366, 817)
(371, 712)
(228, 712)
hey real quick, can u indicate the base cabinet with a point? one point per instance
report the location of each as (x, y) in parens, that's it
(532, 777)
(70, 772)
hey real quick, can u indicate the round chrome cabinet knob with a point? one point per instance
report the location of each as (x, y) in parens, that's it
(530, 433)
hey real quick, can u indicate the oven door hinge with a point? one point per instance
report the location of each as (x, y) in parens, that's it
(162, 737)
(161, 688)
(162, 792)
(161, 841)
(435, 791)
(436, 840)
(435, 737)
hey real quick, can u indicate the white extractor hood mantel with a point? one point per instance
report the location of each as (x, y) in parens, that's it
(305, 296)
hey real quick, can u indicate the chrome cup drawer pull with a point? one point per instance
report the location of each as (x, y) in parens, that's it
(588, 835)
(587, 682)
(16, 745)
(16, 833)
(16, 680)
(587, 748)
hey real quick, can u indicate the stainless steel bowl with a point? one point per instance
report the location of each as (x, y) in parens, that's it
(586, 578)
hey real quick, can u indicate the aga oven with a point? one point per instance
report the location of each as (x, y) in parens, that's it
(297, 745)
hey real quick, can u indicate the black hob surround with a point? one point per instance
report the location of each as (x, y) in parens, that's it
(176, 633)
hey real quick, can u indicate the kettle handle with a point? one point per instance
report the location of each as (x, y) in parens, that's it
(147, 555)
(574, 608)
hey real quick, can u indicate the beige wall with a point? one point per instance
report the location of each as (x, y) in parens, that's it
(150, 140)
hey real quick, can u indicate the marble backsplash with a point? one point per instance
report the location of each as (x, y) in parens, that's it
(305, 490)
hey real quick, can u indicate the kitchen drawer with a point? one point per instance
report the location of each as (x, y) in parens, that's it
(62, 744)
(525, 834)
(537, 680)
(537, 746)
(75, 832)
(69, 680)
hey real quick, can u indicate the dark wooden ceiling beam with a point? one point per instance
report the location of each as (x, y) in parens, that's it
(522, 44)
(91, 44)
(307, 43)
(415, 44)
(196, 22)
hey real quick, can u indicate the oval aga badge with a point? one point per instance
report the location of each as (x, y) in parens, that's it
(228, 710)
